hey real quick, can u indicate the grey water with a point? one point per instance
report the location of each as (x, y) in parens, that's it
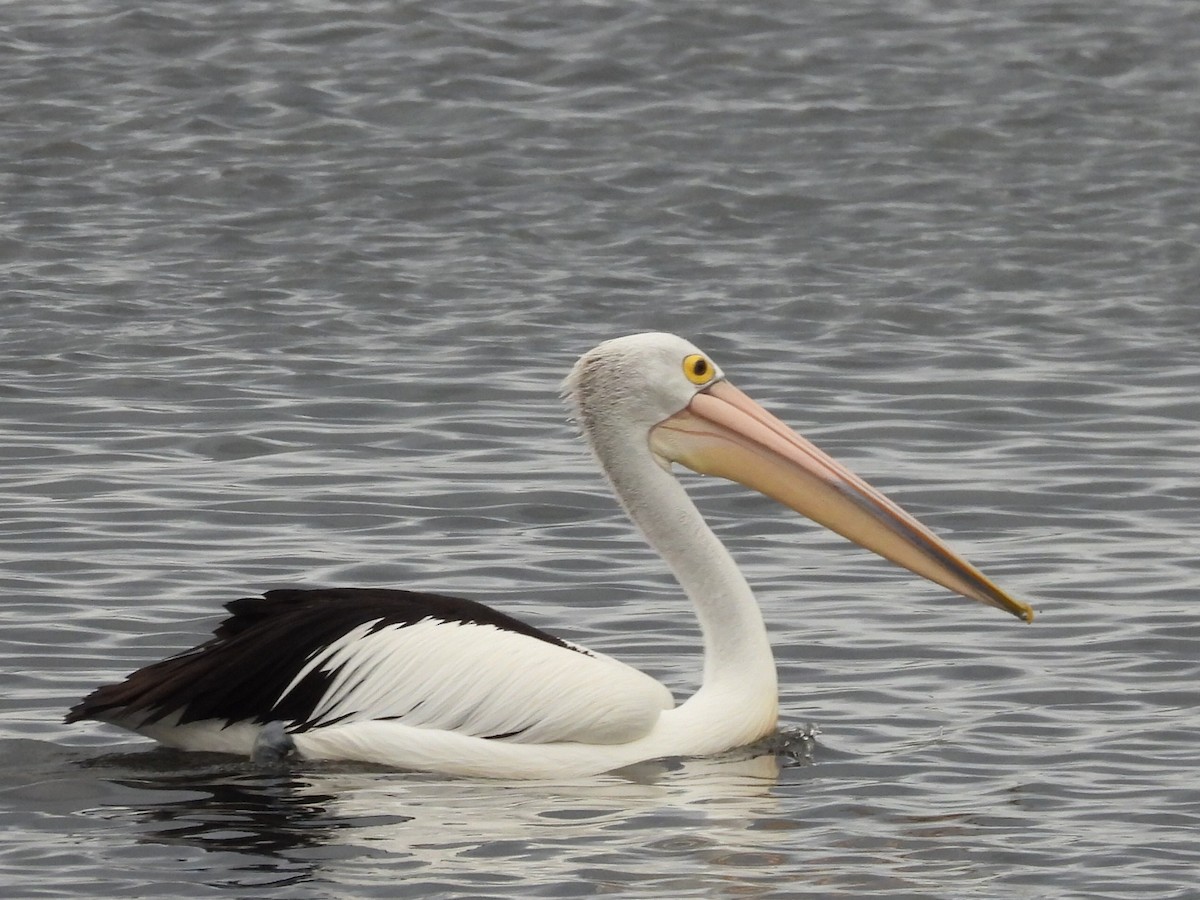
(286, 292)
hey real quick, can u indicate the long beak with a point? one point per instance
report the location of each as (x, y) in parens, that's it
(723, 432)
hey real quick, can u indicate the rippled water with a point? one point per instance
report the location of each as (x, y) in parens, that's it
(287, 292)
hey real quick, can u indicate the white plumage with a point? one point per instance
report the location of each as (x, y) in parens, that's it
(450, 676)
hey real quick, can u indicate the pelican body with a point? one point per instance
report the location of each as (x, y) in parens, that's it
(442, 684)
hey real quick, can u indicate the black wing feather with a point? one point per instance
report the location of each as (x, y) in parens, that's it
(239, 674)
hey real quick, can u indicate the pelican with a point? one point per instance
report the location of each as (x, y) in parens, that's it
(440, 684)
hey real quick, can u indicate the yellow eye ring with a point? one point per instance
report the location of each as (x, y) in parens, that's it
(697, 369)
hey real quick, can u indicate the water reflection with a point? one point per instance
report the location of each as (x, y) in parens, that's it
(350, 824)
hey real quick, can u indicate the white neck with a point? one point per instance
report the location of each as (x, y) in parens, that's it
(739, 670)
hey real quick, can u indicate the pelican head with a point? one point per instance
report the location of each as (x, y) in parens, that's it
(661, 391)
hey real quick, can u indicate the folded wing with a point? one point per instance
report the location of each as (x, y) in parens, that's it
(317, 658)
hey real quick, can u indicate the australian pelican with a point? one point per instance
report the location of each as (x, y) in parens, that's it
(436, 683)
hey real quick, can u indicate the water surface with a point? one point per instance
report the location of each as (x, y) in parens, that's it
(287, 296)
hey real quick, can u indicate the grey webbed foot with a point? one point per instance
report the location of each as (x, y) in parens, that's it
(273, 746)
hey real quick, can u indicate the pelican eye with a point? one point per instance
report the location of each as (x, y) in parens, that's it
(698, 369)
